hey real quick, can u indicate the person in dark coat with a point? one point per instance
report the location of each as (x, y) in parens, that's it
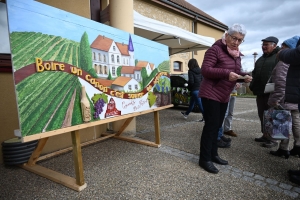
(292, 92)
(277, 97)
(221, 68)
(261, 74)
(292, 57)
(195, 78)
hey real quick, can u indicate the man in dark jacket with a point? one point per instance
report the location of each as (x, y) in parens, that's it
(261, 73)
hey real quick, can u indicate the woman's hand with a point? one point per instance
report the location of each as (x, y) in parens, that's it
(233, 76)
(248, 79)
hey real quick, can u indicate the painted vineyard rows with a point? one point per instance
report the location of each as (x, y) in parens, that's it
(55, 113)
(18, 38)
(21, 57)
(21, 60)
(56, 83)
(43, 110)
(37, 82)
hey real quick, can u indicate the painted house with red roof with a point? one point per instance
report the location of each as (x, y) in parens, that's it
(132, 72)
(125, 84)
(108, 55)
(149, 66)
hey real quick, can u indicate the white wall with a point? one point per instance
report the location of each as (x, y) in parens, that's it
(4, 39)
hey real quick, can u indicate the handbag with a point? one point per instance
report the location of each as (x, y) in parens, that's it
(277, 124)
(269, 87)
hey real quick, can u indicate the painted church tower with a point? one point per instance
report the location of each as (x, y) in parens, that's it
(131, 52)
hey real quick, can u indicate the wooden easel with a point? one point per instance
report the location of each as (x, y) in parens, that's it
(78, 183)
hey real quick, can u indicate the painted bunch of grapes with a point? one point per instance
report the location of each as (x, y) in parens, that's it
(99, 101)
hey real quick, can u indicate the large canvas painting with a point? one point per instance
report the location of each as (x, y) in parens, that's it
(69, 70)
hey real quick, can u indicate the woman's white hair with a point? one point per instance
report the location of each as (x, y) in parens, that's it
(237, 28)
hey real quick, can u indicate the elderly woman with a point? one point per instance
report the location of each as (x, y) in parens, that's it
(221, 68)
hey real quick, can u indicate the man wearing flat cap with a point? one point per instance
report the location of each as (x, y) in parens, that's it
(261, 74)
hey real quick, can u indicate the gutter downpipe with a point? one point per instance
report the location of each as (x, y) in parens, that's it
(193, 31)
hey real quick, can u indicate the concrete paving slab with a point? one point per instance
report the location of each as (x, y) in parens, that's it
(115, 169)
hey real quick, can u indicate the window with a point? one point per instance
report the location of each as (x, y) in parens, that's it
(94, 55)
(113, 70)
(104, 58)
(99, 55)
(118, 59)
(136, 87)
(129, 87)
(101, 69)
(95, 6)
(105, 68)
(114, 48)
(177, 66)
(112, 58)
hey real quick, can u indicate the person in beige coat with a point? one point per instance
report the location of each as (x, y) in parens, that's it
(277, 98)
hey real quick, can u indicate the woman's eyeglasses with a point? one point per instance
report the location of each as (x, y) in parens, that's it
(236, 39)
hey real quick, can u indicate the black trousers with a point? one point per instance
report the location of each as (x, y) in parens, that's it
(213, 117)
(262, 105)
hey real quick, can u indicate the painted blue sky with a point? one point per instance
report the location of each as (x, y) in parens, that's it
(38, 17)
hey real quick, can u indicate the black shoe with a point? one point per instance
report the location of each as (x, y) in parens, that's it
(295, 179)
(294, 172)
(261, 139)
(295, 151)
(280, 153)
(222, 144)
(225, 139)
(269, 144)
(218, 160)
(208, 166)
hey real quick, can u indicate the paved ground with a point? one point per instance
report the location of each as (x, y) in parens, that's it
(116, 169)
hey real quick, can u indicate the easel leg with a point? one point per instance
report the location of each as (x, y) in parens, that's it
(75, 184)
(37, 152)
(126, 123)
(157, 127)
(77, 158)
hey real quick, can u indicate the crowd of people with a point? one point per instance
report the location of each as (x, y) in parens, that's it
(214, 87)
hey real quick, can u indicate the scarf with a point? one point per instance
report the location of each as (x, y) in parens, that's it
(233, 53)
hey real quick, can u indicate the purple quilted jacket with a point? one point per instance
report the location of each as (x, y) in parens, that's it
(216, 67)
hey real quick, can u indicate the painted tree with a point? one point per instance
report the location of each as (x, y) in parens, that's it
(119, 71)
(136, 61)
(144, 76)
(164, 66)
(109, 75)
(85, 56)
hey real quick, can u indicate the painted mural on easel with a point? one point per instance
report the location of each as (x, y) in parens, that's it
(69, 70)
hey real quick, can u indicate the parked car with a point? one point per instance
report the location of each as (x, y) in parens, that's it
(180, 95)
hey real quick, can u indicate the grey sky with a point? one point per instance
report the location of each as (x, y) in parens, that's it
(262, 18)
